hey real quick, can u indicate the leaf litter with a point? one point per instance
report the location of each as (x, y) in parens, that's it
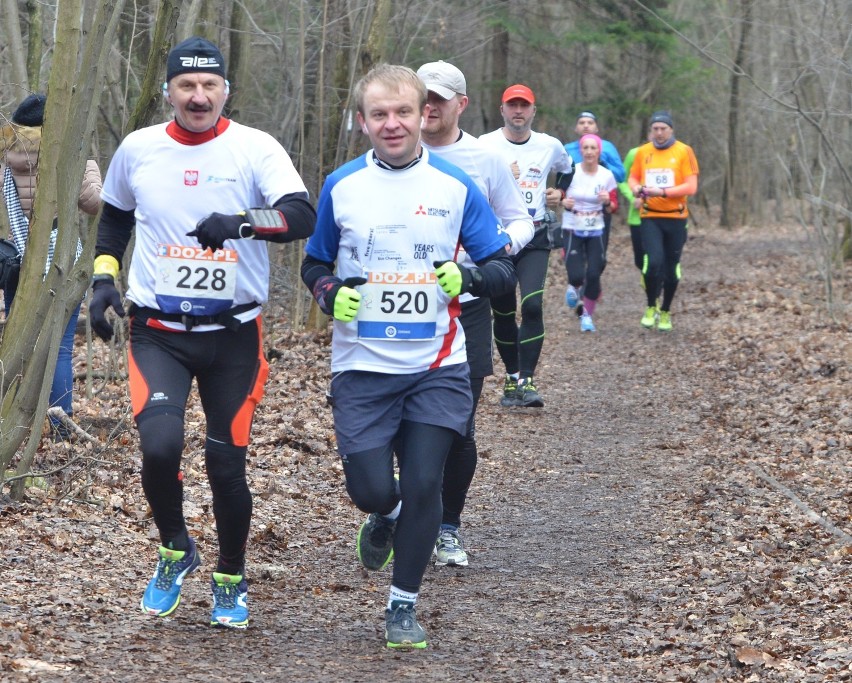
(678, 511)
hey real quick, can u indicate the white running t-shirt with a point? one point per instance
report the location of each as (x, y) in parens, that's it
(170, 186)
(586, 219)
(536, 158)
(491, 175)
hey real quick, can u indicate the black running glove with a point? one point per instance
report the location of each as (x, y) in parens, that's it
(215, 229)
(104, 295)
(212, 231)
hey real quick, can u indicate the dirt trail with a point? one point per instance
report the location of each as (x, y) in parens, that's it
(589, 527)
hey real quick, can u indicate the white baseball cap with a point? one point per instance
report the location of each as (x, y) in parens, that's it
(443, 78)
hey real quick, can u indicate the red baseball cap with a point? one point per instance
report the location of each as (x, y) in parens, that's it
(518, 92)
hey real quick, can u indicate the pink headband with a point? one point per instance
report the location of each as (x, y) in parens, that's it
(593, 137)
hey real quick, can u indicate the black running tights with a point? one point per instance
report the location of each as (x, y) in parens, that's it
(662, 241)
(461, 464)
(520, 347)
(584, 262)
(421, 450)
(161, 434)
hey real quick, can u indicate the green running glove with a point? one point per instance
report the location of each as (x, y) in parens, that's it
(450, 277)
(347, 300)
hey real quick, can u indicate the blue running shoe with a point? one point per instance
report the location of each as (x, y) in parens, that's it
(162, 596)
(586, 324)
(230, 595)
(572, 296)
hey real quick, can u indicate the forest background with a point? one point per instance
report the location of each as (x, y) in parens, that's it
(761, 90)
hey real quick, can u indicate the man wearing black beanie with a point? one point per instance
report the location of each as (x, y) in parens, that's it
(195, 54)
(196, 285)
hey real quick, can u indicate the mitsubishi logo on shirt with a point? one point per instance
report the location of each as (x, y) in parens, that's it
(431, 211)
(190, 178)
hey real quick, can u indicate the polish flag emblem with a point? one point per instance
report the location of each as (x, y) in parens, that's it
(190, 178)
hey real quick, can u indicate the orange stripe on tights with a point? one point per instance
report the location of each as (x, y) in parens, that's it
(241, 426)
(138, 386)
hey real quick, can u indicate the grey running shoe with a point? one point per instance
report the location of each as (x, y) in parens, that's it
(449, 549)
(402, 629)
(510, 392)
(374, 544)
(529, 397)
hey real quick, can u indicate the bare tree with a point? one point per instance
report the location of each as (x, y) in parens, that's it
(15, 43)
(732, 210)
(34, 330)
(147, 105)
(35, 14)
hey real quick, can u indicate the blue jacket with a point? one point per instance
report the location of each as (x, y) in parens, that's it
(610, 158)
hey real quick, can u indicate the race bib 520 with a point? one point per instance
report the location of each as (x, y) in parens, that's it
(398, 306)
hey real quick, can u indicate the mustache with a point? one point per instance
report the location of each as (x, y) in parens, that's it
(192, 106)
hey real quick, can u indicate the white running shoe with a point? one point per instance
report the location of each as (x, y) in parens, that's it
(449, 549)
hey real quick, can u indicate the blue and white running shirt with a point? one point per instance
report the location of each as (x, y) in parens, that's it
(389, 226)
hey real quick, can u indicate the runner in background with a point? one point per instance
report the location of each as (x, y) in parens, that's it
(532, 156)
(664, 174)
(590, 198)
(587, 123)
(441, 134)
(633, 218)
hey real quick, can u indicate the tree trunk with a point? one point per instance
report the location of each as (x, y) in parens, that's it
(732, 200)
(43, 304)
(148, 105)
(499, 69)
(238, 58)
(34, 47)
(374, 51)
(14, 43)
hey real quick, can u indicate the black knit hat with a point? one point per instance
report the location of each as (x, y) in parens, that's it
(195, 54)
(30, 112)
(662, 117)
